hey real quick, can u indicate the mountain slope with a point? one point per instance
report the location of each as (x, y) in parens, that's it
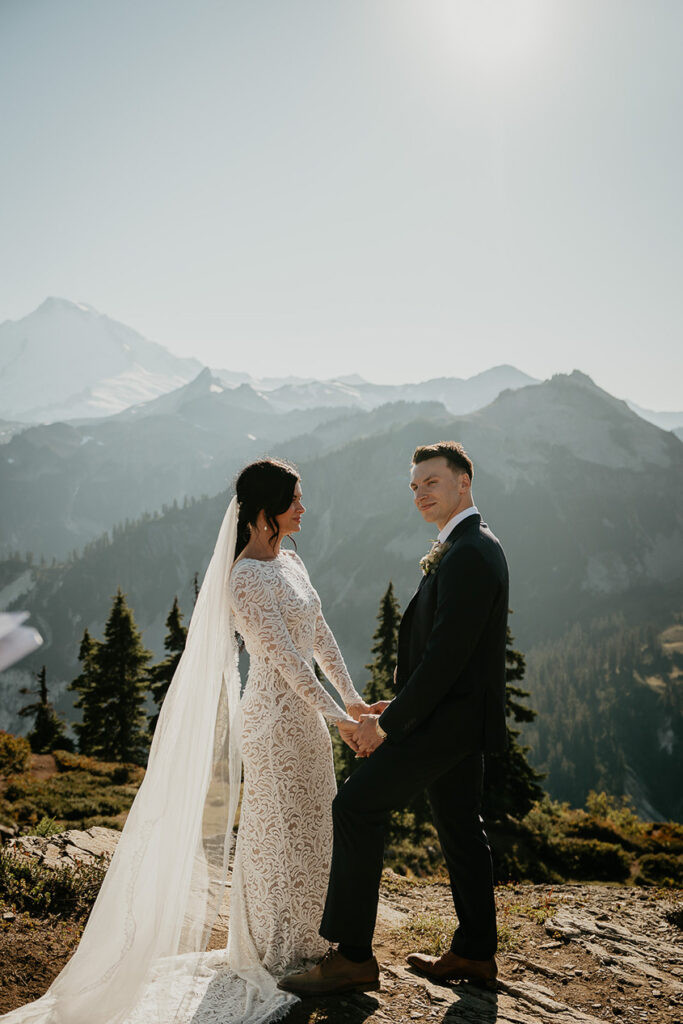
(64, 484)
(65, 360)
(610, 704)
(585, 496)
(665, 420)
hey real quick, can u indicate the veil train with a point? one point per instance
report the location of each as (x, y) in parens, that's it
(143, 958)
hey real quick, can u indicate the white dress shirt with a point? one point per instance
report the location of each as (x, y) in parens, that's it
(454, 520)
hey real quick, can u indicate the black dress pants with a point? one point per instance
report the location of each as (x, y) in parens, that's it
(388, 779)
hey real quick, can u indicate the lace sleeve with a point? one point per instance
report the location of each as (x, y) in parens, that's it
(256, 605)
(330, 659)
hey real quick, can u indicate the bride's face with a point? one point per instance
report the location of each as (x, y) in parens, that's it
(290, 521)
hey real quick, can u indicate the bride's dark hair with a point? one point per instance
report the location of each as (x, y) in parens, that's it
(267, 484)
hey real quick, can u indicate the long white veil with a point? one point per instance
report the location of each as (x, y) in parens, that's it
(141, 956)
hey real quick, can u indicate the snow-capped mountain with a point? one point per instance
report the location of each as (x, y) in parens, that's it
(459, 395)
(67, 361)
(234, 378)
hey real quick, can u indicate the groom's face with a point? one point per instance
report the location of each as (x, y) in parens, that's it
(438, 490)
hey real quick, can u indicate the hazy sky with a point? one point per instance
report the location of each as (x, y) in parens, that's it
(398, 188)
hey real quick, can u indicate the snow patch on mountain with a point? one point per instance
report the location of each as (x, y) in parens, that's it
(67, 361)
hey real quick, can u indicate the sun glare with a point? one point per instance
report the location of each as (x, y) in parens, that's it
(490, 35)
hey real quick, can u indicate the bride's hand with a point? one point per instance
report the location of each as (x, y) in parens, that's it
(347, 732)
(356, 710)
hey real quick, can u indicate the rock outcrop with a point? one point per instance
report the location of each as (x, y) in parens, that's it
(67, 849)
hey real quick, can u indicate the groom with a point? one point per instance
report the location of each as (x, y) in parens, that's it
(449, 710)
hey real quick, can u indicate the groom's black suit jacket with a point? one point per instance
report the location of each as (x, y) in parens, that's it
(451, 650)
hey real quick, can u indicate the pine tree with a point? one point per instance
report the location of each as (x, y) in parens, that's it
(162, 674)
(380, 686)
(384, 649)
(511, 784)
(49, 730)
(89, 731)
(112, 686)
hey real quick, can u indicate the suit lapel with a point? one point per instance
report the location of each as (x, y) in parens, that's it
(411, 604)
(468, 523)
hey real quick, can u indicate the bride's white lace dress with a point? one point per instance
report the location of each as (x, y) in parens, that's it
(140, 958)
(284, 842)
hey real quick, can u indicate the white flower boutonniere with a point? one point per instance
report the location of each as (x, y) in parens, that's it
(430, 562)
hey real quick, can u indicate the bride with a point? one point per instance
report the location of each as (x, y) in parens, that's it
(144, 955)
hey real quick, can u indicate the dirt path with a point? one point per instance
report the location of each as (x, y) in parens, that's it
(43, 766)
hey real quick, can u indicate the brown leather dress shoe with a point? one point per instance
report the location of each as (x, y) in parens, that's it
(333, 974)
(451, 967)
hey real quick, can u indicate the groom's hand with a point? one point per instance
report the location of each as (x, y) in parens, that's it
(367, 737)
(378, 707)
(348, 732)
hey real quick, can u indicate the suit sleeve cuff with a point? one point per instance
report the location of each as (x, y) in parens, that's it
(383, 723)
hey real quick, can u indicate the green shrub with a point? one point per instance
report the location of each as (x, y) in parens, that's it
(38, 890)
(586, 827)
(521, 862)
(666, 834)
(19, 787)
(25, 812)
(546, 818)
(590, 860)
(15, 754)
(70, 798)
(412, 849)
(46, 827)
(116, 773)
(663, 869)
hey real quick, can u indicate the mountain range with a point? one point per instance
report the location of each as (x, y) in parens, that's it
(66, 361)
(585, 495)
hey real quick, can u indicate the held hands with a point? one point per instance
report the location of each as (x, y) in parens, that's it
(363, 738)
(361, 708)
(377, 708)
(367, 738)
(347, 731)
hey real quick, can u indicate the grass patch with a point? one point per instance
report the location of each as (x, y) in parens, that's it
(432, 934)
(537, 909)
(428, 933)
(46, 827)
(507, 939)
(40, 891)
(83, 793)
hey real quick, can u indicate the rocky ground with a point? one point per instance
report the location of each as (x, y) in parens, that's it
(570, 954)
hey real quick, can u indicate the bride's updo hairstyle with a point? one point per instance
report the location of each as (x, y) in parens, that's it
(269, 485)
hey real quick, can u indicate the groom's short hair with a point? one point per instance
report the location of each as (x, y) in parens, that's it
(452, 451)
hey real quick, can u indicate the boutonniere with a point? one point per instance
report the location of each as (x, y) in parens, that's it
(430, 562)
